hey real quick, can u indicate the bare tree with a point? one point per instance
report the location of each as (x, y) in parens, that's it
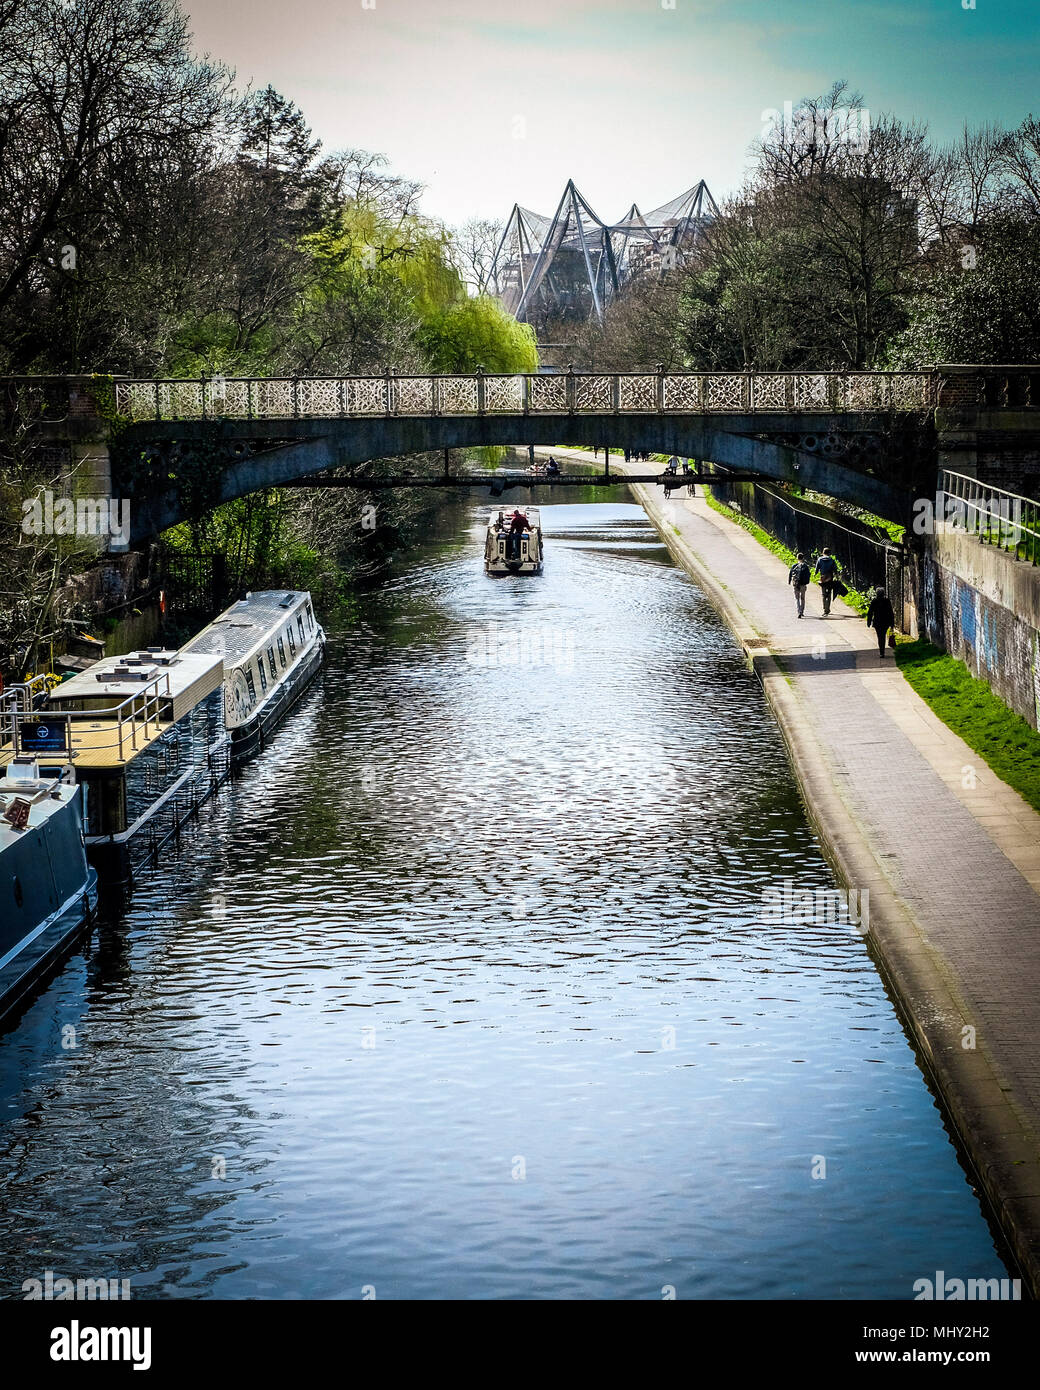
(474, 245)
(1020, 160)
(88, 90)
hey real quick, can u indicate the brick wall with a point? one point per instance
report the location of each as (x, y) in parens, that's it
(960, 610)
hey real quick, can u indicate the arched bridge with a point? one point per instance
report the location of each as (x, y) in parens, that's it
(840, 433)
(871, 438)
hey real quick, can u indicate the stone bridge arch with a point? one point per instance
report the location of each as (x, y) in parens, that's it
(278, 452)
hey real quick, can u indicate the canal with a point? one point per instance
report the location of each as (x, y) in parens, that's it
(467, 987)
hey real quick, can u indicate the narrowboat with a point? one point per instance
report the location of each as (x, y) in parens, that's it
(48, 891)
(514, 542)
(272, 646)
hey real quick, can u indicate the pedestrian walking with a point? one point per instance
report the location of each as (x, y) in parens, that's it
(673, 465)
(799, 575)
(881, 617)
(827, 572)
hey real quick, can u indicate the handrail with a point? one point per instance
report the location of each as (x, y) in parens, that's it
(125, 717)
(996, 515)
(532, 393)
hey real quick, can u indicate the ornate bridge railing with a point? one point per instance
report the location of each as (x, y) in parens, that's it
(563, 393)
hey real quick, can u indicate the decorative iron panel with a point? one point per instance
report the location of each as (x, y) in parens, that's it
(593, 393)
(909, 391)
(862, 391)
(459, 395)
(136, 399)
(413, 395)
(504, 393)
(683, 392)
(365, 395)
(770, 392)
(549, 394)
(637, 393)
(273, 400)
(810, 392)
(318, 397)
(725, 392)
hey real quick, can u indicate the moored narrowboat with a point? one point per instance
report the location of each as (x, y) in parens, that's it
(48, 891)
(272, 646)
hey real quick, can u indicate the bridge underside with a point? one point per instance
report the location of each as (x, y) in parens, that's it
(852, 458)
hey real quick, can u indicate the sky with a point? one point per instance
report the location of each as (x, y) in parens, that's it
(492, 102)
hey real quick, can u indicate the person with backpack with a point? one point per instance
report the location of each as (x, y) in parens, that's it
(881, 616)
(827, 570)
(799, 575)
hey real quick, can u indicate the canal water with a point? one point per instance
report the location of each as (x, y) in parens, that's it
(469, 987)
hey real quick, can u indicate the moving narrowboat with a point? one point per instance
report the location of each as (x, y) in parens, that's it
(514, 542)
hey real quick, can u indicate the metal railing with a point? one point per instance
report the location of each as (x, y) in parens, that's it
(542, 393)
(125, 722)
(996, 516)
(167, 815)
(19, 699)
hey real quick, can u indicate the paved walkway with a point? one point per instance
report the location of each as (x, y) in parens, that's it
(949, 853)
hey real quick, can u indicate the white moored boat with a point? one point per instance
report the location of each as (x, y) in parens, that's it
(272, 646)
(513, 544)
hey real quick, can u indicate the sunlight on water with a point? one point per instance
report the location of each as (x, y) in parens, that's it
(465, 988)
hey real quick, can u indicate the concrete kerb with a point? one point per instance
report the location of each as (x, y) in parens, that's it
(999, 1137)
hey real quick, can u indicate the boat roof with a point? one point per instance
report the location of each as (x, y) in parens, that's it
(533, 514)
(120, 676)
(45, 796)
(250, 623)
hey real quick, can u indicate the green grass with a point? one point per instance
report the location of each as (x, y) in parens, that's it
(1003, 739)
(854, 599)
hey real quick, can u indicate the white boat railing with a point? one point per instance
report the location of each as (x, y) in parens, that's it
(128, 723)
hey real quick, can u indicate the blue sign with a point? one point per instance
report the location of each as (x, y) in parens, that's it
(43, 736)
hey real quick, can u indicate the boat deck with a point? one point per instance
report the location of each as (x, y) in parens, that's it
(95, 744)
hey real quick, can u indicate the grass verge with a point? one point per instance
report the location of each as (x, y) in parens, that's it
(1003, 739)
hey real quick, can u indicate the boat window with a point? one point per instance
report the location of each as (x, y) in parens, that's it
(310, 619)
(299, 624)
(270, 662)
(260, 668)
(292, 643)
(281, 651)
(250, 682)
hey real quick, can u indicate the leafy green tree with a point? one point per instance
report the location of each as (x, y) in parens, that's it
(477, 333)
(980, 303)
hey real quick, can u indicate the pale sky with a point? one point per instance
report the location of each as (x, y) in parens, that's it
(491, 102)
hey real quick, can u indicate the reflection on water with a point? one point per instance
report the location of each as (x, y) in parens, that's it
(465, 988)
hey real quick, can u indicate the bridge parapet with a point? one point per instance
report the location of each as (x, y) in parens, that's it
(1001, 386)
(564, 393)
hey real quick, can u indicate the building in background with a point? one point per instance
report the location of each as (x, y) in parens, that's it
(571, 265)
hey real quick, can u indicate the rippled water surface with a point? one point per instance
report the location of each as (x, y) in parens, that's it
(465, 988)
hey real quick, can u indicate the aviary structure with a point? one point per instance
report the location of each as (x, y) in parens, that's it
(571, 265)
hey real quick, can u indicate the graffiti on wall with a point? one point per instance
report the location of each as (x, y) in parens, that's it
(992, 641)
